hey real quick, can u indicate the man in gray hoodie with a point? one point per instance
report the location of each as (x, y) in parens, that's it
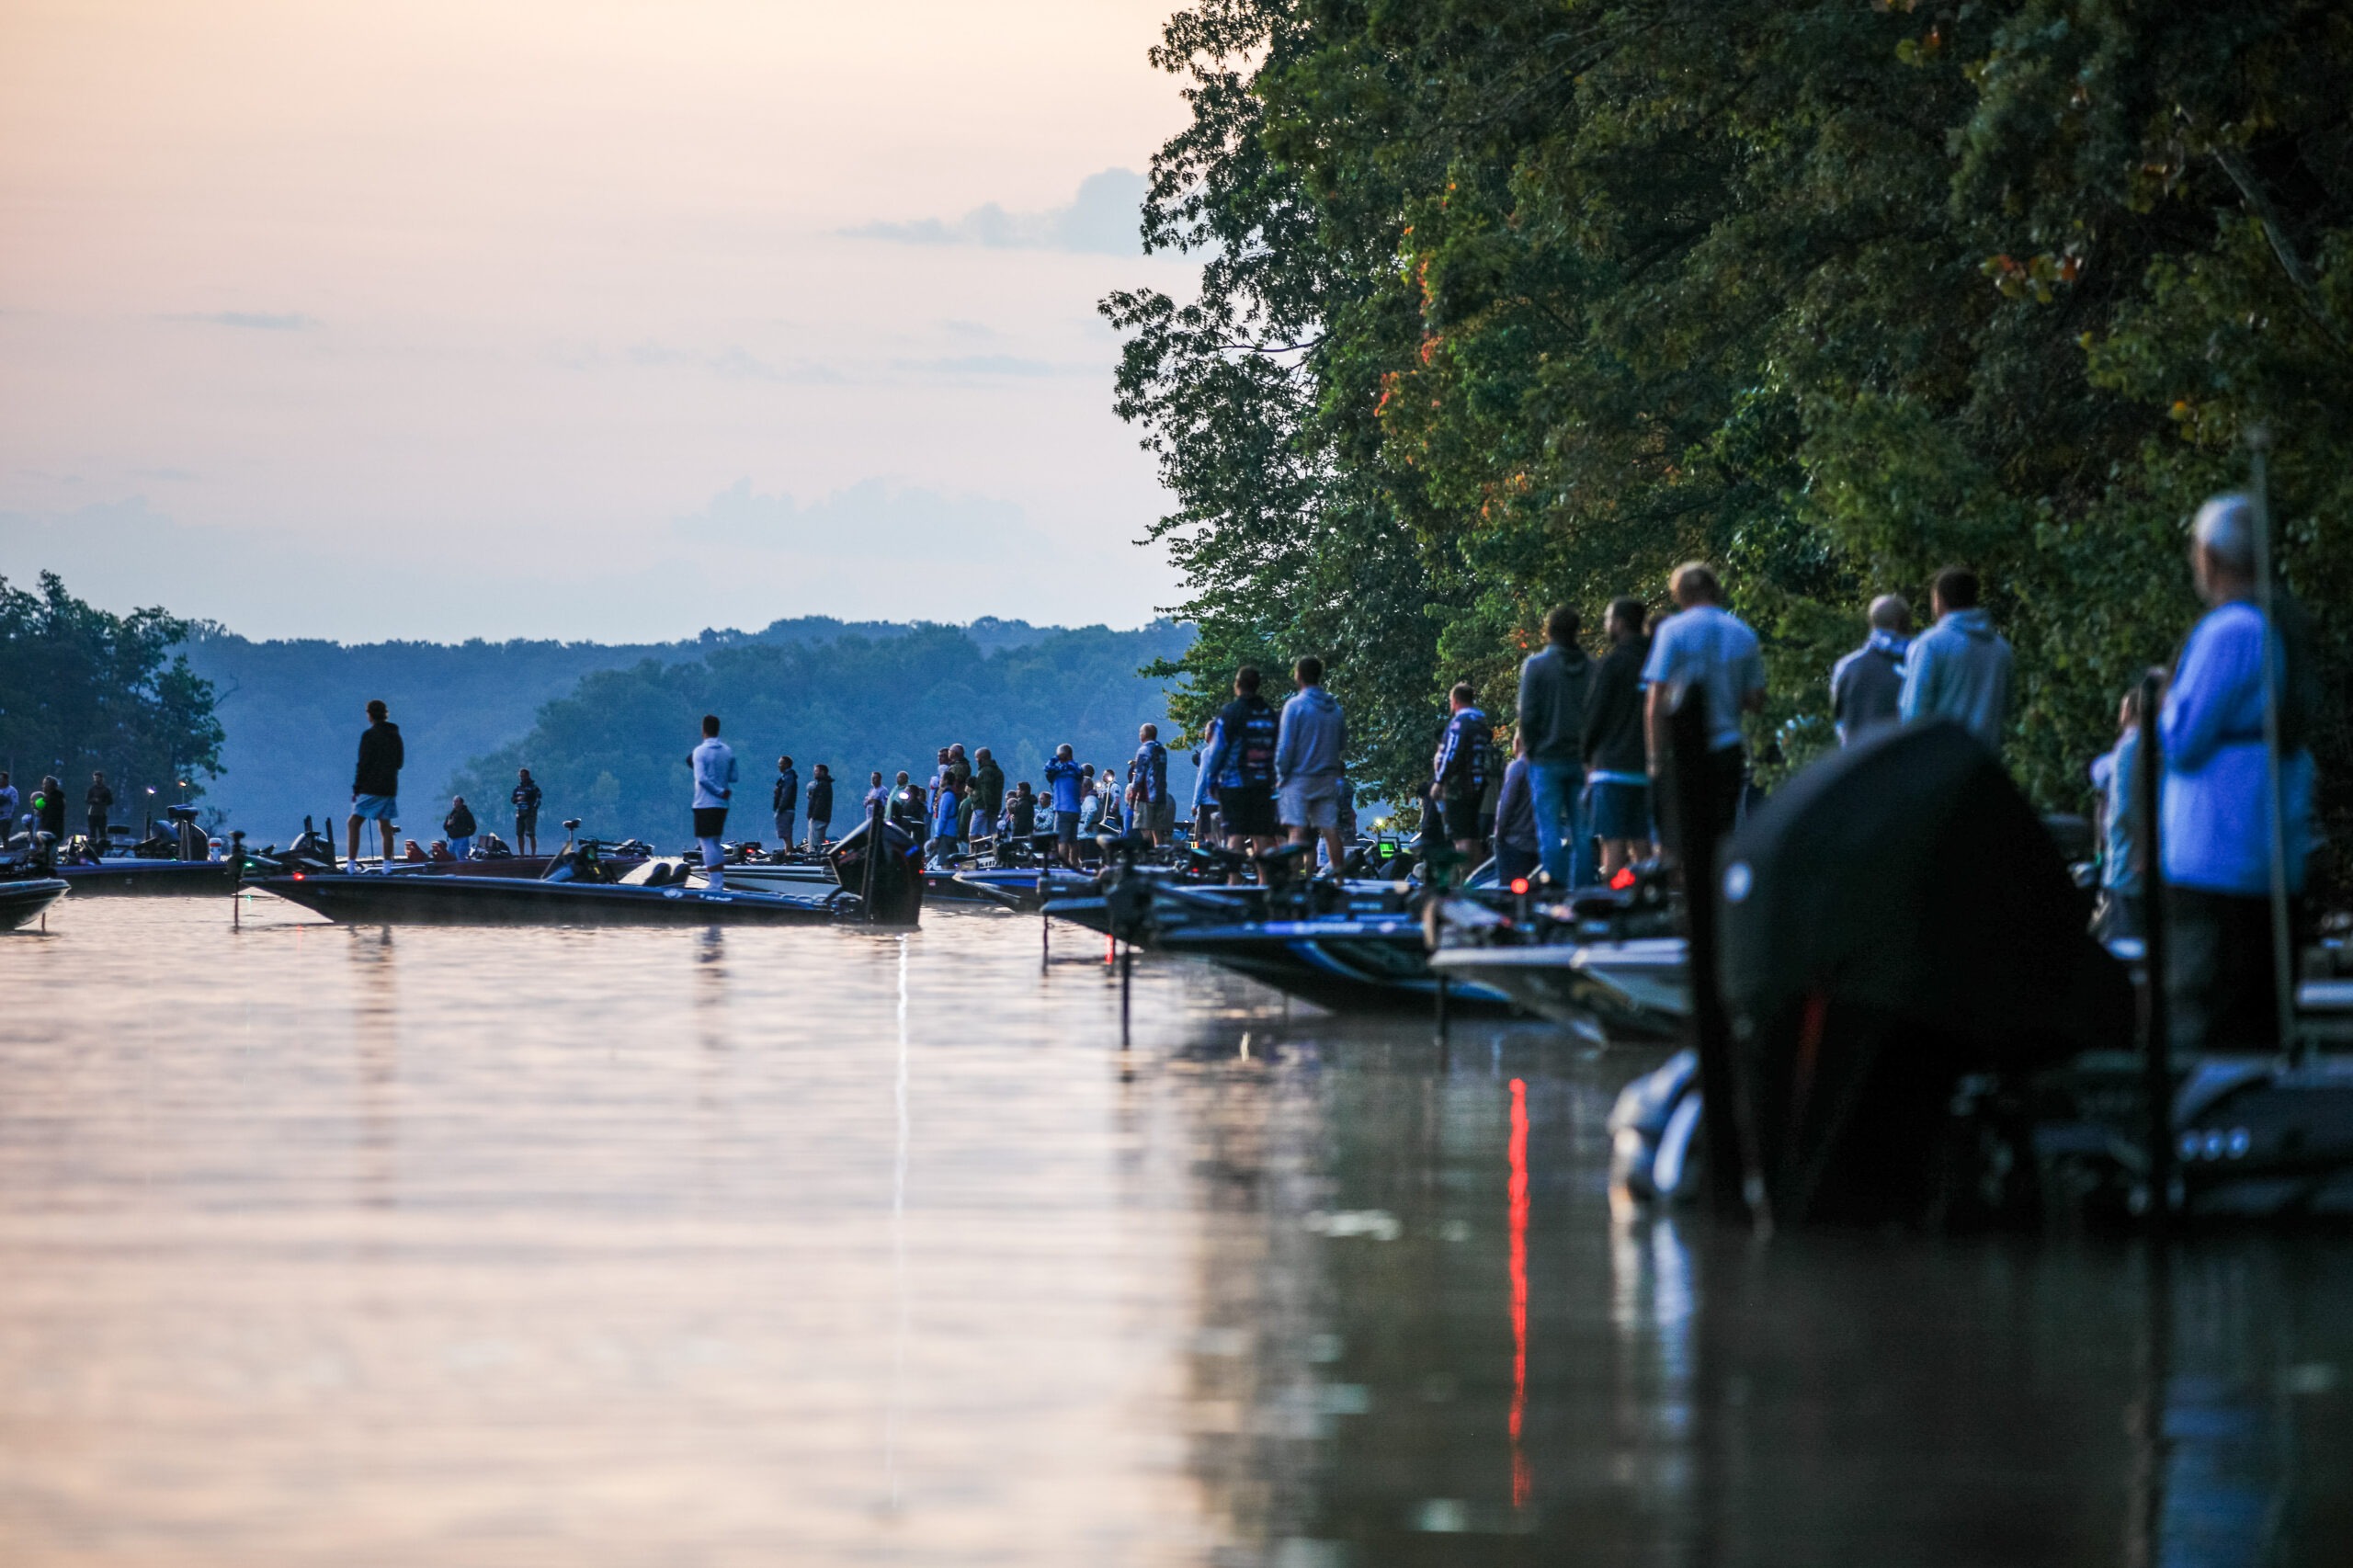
(1309, 749)
(1553, 688)
(1958, 669)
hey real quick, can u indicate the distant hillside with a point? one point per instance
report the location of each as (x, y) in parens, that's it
(614, 751)
(293, 711)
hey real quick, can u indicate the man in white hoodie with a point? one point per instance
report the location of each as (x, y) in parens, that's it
(1310, 750)
(714, 765)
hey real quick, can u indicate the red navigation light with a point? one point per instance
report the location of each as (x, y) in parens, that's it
(1623, 879)
(298, 876)
(1519, 886)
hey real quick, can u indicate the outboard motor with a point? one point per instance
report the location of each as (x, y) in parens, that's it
(1896, 920)
(897, 895)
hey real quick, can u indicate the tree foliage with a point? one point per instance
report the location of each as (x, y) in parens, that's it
(82, 691)
(1510, 302)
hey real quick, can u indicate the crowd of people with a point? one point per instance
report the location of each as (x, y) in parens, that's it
(1577, 800)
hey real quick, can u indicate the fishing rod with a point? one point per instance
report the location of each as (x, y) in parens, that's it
(2283, 980)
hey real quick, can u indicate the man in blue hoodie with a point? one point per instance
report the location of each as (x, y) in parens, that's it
(713, 764)
(1066, 779)
(1958, 669)
(1309, 748)
(2215, 813)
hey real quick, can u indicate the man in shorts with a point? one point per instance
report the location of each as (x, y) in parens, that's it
(1308, 762)
(1068, 782)
(1241, 760)
(376, 781)
(1153, 815)
(713, 762)
(1458, 773)
(525, 799)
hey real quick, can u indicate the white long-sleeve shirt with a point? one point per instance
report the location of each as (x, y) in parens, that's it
(714, 764)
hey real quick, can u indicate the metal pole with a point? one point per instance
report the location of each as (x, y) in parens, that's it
(2157, 1047)
(1710, 1031)
(1126, 983)
(2283, 978)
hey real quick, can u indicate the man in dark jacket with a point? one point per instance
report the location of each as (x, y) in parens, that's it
(1243, 763)
(1466, 751)
(988, 791)
(98, 799)
(821, 806)
(785, 799)
(1553, 686)
(458, 827)
(1617, 763)
(375, 782)
(1866, 685)
(525, 799)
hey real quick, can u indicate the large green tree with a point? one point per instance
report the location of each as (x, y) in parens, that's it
(1507, 303)
(82, 689)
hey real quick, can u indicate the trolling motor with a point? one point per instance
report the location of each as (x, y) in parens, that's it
(580, 860)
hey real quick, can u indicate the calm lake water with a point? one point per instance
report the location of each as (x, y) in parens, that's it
(356, 1247)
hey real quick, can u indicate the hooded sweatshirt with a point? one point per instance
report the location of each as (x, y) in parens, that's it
(1314, 738)
(1959, 669)
(1554, 689)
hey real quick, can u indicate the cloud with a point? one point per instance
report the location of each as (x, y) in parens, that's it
(1103, 220)
(985, 365)
(870, 519)
(254, 321)
(734, 364)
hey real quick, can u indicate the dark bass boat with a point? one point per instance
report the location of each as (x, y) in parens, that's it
(150, 878)
(580, 888)
(24, 900)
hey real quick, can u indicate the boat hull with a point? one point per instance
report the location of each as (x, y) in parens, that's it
(153, 878)
(1637, 990)
(24, 902)
(1349, 966)
(375, 899)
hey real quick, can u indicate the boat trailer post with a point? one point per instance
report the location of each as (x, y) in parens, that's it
(874, 837)
(1127, 984)
(2157, 1047)
(1694, 811)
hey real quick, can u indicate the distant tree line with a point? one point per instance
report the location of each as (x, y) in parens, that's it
(613, 751)
(82, 691)
(1507, 303)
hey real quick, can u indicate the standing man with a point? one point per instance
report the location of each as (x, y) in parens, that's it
(2215, 814)
(1205, 829)
(821, 808)
(1309, 752)
(1244, 766)
(988, 789)
(98, 799)
(713, 762)
(1958, 669)
(48, 808)
(525, 799)
(1555, 688)
(458, 827)
(785, 799)
(1516, 849)
(1867, 686)
(376, 781)
(1459, 774)
(9, 806)
(1067, 781)
(1702, 647)
(1156, 815)
(1617, 764)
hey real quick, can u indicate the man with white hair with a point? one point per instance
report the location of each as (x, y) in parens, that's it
(1868, 684)
(2215, 814)
(1958, 669)
(1702, 646)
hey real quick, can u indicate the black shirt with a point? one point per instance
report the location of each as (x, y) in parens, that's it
(98, 800)
(787, 791)
(459, 822)
(821, 799)
(1614, 742)
(380, 757)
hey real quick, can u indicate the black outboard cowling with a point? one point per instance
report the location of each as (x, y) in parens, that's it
(1895, 917)
(898, 874)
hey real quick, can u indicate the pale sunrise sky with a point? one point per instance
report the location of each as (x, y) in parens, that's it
(568, 318)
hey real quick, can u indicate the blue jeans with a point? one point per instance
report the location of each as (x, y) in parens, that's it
(1563, 827)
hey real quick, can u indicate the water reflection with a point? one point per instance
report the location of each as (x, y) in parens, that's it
(828, 1247)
